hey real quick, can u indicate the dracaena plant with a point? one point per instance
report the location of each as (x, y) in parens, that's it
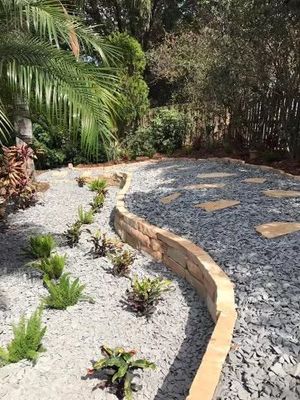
(72, 234)
(15, 183)
(122, 262)
(40, 246)
(146, 293)
(99, 186)
(103, 245)
(120, 367)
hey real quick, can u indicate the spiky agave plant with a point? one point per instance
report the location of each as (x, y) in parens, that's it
(121, 368)
(27, 340)
(146, 293)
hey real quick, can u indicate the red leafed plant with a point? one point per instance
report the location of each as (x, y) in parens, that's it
(15, 181)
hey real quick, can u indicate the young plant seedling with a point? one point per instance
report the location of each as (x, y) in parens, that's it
(98, 202)
(146, 293)
(64, 293)
(41, 246)
(120, 368)
(85, 217)
(99, 186)
(26, 343)
(73, 233)
(102, 245)
(52, 267)
(81, 181)
(122, 263)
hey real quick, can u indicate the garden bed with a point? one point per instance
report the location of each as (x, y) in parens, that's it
(174, 338)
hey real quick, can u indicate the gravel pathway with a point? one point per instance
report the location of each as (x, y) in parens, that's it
(265, 360)
(173, 338)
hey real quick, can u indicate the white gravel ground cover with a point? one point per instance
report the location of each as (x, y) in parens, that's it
(265, 360)
(174, 338)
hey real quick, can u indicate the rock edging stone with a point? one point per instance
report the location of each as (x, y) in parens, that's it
(191, 262)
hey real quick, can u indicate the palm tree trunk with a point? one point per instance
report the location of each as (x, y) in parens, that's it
(23, 127)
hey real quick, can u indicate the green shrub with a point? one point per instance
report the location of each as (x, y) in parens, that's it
(26, 343)
(85, 217)
(120, 369)
(122, 263)
(146, 293)
(140, 143)
(99, 186)
(52, 267)
(72, 234)
(41, 246)
(64, 293)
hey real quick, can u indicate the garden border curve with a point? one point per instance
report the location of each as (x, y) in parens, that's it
(192, 263)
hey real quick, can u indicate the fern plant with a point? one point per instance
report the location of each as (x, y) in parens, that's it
(99, 186)
(52, 267)
(146, 293)
(85, 217)
(27, 340)
(41, 246)
(102, 245)
(98, 202)
(72, 234)
(64, 293)
(122, 263)
(120, 368)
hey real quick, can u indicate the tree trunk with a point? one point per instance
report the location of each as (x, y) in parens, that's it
(23, 127)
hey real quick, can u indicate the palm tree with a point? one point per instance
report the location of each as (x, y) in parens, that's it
(51, 63)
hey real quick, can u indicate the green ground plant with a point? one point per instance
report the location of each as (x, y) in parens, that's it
(99, 186)
(121, 369)
(146, 293)
(52, 267)
(72, 234)
(97, 202)
(26, 343)
(64, 293)
(122, 263)
(41, 246)
(103, 245)
(85, 217)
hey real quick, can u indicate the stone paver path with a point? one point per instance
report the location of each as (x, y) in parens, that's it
(217, 205)
(275, 229)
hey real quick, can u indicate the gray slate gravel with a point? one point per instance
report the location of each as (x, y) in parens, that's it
(265, 360)
(174, 338)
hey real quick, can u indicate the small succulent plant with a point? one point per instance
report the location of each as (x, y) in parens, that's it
(97, 202)
(120, 368)
(85, 217)
(99, 186)
(122, 262)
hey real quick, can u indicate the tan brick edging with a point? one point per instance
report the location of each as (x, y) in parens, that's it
(195, 265)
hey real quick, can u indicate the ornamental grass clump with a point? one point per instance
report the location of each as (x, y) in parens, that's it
(122, 263)
(97, 202)
(52, 267)
(64, 293)
(99, 186)
(85, 217)
(27, 340)
(41, 246)
(120, 368)
(103, 245)
(73, 233)
(146, 293)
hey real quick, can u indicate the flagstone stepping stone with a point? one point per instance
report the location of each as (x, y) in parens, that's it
(215, 175)
(275, 229)
(205, 186)
(254, 180)
(217, 205)
(281, 194)
(170, 198)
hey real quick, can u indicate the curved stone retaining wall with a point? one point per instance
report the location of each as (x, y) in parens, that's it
(195, 265)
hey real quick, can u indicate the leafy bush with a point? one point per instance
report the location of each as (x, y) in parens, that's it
(52, 267)
(85, 217)
(120, 369)
(41, 246)
(26, 343)
(140, 143)
(102, 245)
(146, 293)
(122, 263)
(97, 202)
(64, 293)
(99, 186)
(72, 234)
(16, 184)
